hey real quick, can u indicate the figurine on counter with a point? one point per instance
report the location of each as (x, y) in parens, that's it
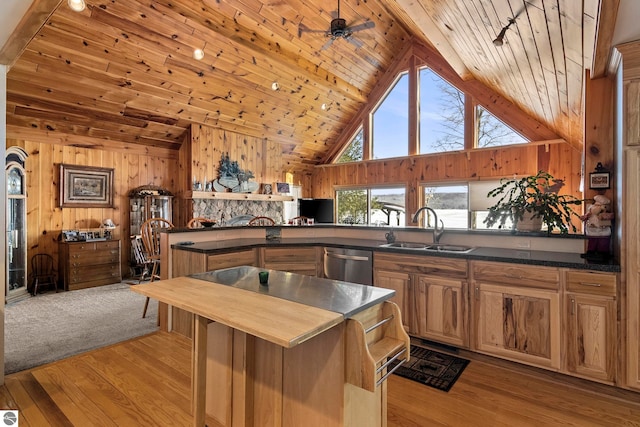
(598, 227)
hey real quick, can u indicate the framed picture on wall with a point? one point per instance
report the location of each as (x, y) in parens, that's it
(282, 188)
(85, 187)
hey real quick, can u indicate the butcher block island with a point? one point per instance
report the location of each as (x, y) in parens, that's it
(299, 350)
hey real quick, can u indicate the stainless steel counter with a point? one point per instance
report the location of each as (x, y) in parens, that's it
(332, 295)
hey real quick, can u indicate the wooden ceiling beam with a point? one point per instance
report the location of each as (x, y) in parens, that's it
(603, 43)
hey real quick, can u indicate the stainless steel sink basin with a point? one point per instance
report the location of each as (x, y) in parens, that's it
(404, 245)
(436, 247)
(449, 248)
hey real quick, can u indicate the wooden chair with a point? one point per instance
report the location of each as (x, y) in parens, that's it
(43, 272)
(142, 262)
(150, 234)
(201, 222)
(261, 220)
(302, 220)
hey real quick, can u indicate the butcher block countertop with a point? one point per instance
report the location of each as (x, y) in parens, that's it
(273, 313)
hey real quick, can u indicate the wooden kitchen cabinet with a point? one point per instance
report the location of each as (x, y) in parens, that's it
(88, 264)
(439, 309)
(401, 283)
(591, 325)
(300, 260)
(431, 292)
(517, 312)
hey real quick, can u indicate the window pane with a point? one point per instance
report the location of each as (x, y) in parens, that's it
(441, 114)
(352, 206)
(353, 152)
(391, 122)
(451, 204)
(387, 206)
(492, 132)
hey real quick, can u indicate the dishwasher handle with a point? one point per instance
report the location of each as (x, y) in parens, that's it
(348, 257)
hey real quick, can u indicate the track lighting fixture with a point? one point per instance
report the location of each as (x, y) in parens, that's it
(499, 41)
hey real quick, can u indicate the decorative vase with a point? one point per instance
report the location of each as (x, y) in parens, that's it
(529, 223)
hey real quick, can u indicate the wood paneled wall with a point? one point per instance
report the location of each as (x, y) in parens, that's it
(45, 219)
(558, 158)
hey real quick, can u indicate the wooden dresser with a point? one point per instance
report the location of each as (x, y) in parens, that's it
(87, 264)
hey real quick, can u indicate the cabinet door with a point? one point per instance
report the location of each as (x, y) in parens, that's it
(591, 336)
(439, 310)
(401, 283)
(520, 324)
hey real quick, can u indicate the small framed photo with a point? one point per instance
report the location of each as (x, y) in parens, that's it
(599, 180)
(82, 236)
(267, 189)
(282, 188)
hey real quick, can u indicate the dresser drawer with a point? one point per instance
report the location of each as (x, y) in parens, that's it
(530, 276)
(91, 272)
(94, 258)
(590, 282)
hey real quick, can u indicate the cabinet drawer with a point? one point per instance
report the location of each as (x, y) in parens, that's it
(94, 258)
(289, 255)
(232, 259)
(529, 276)
(91, 272)
(84, 247)
(589, 282)
(421, 264)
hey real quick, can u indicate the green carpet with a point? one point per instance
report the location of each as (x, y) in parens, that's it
(432, 368)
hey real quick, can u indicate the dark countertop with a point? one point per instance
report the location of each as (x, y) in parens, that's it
(516, 256)
(332, 295)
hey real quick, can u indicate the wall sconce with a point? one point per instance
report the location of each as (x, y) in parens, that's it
(600, 179)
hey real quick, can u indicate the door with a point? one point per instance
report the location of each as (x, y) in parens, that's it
(439, 307)
(16, 241)
(520, 324)
(401, 283)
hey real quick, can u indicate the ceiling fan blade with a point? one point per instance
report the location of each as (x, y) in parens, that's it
(304, 29)
(357, 43)
(363, 26)
(327, 44)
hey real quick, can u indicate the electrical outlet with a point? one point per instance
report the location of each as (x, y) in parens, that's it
(523, 244)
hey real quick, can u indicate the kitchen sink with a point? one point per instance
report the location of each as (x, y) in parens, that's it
(436, 247)
(449, 248)
(404, 245)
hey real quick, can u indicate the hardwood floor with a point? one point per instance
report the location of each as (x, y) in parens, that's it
(146, 382)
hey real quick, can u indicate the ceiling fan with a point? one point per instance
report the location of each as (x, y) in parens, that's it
(338, 29)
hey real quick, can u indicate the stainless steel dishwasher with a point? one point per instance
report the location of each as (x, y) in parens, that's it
(349, 265)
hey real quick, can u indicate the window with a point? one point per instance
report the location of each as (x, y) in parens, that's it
(493, 133)
(353, 152)
(451, 204)
(391, 122)
(441, 114)
(377, 206)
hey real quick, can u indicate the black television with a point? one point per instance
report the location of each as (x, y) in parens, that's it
(321, 210)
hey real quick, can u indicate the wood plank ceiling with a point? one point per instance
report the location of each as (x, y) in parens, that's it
(122, 70)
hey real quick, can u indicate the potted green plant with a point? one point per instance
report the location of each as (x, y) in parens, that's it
(533, 197)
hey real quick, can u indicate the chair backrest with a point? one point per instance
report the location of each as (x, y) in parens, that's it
(298, 220)
(261, 220)
(150, 233)
(138, 250)
(42, 265)
(200, 222)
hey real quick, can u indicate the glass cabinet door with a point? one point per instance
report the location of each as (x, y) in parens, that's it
(16, 241)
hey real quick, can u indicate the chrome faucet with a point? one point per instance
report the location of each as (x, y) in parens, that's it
(437, 232)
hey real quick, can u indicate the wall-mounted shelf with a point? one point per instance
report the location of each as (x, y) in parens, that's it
(237, 196)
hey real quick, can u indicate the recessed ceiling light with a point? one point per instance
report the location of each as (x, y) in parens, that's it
(77, 5)
(323, 106)
(198, 54)
(275, 86)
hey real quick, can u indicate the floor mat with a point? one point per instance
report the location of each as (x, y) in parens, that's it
(432, 368)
